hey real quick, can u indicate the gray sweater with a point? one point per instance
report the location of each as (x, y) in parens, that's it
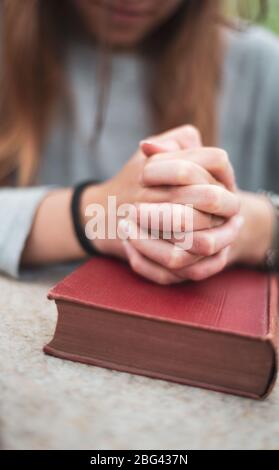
(248, 117)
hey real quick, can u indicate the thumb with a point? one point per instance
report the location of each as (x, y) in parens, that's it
(180, 138)
(151, 147)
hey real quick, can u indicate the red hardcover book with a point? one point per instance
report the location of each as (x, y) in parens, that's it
(219, 334)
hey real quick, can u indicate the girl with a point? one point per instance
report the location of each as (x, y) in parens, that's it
(84, 81)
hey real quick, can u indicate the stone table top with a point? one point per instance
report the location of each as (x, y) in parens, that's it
(49, 403)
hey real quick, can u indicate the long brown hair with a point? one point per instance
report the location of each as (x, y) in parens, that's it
(35, 34)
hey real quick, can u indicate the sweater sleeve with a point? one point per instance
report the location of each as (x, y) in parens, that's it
(17, 210)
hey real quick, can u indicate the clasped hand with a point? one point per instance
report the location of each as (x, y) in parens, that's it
(175, 168)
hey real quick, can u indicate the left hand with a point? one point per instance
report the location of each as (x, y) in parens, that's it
(160, 260)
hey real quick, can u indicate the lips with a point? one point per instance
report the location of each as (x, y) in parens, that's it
(117, 8)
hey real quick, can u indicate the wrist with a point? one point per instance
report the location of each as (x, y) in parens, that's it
(255, 238)
(94, 194)
(272, 255)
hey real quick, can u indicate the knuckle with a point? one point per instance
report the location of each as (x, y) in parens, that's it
(234, 204)
(223, 163)
(135, 264)
(175, 194)
(175, 259)
(223, 264)
(213, 197)
(163, 278)
(143, 193)
(182, 171)
(206, 244)
(222, 157)
(149, 171)
(196, 274)
(224, 259)
(192, 130)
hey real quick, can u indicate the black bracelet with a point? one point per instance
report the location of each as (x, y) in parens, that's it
(76, 218)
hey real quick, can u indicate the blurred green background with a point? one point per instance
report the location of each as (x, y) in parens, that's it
(272, 20)
(249, 9)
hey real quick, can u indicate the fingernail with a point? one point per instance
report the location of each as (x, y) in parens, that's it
(124, 229)
(148, 142)
(148, 147)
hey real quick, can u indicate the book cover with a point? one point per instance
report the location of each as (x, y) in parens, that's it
(220, 333)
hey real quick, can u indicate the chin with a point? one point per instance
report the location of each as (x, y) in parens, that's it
(118, 41)
(121, 39)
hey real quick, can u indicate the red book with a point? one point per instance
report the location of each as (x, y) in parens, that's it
(218, 334)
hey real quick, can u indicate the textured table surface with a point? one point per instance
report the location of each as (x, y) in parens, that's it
(48, 403)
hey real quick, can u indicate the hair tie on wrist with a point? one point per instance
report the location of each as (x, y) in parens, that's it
(76, 218)
(271, 261)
